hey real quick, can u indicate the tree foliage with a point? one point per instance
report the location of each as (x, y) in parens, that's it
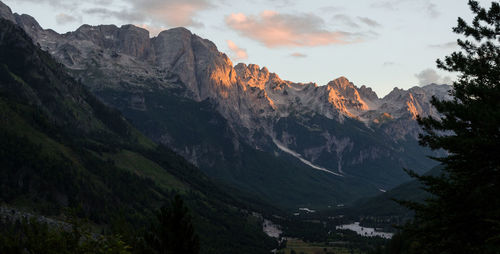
(173, 232)
(33, 236)
(463, 214)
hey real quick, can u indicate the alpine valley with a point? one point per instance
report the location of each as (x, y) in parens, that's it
(64, 153)
(291, 144)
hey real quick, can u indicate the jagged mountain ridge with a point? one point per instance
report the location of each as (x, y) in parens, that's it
(339, 127)
(340, 97)
(207, 73)
(63, 150)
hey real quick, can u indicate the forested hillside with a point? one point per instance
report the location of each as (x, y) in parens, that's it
(62, 148)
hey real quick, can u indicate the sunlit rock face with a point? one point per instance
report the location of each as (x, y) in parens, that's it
(253, 76)
(338, 127)
(246, 95)
(340, 98)
(403, 107)
(346, 96)
(205, 71)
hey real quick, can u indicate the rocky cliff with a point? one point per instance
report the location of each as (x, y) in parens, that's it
(188, 95)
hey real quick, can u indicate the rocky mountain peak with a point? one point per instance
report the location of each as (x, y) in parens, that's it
(250, 71)
(126, 57)
(367, 93)
(178, 34)
(91, 32)
(6, 12)
(103, 36)
(254, 76)
(340, 82)
(29, 25)
(345, 96)
(240, 66)
(250, 106)
(206, 72)
(439, 91)
(47, 39)
(127, 39)
(414, 101)
(135, 41)
(396, 92)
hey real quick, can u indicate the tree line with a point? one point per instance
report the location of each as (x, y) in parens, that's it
(172, 232)
(462, 214)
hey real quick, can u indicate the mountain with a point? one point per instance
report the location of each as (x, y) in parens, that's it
(64, 149)
(293, 144)
(384, 205)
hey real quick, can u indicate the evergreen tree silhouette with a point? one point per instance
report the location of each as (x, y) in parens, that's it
(463, 213)
(174, 232)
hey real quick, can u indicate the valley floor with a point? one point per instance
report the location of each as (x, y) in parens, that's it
(298, 246)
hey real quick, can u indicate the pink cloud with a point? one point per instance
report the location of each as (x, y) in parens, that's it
(237, 53)
(298, 55)
(173, 12)
(285, 30)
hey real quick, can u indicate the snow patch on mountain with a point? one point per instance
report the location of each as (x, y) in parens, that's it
(298, 156)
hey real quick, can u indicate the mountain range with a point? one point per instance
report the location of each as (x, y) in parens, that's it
(63, 149)
(293, 144)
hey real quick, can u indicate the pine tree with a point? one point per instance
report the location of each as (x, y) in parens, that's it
(463, 213)
(174, 232)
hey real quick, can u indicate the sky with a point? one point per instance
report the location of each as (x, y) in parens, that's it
(378, 43)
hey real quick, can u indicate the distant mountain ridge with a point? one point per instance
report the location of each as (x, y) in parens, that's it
(181, 91)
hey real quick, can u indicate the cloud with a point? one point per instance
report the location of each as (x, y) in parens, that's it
(153, 30)
(298, 55)
(422, 5)
(331, 8)
(171, 13)
(159, 12)
(63, 18)
(368, 21)
(281, 3)
(346, 20)
(286, 30)
(447, 45)
(389, 5)
(237, 53)
(352, 23)
(432, 10)
(122, 14)
(69, 4)
(429, 76)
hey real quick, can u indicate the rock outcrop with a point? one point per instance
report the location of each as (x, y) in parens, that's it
(6, 12)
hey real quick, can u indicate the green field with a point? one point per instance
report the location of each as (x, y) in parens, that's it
(298, 246)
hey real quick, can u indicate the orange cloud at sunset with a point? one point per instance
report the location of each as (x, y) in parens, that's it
(285, 30)
(237, 52)
(175, 12)
(159, 13)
